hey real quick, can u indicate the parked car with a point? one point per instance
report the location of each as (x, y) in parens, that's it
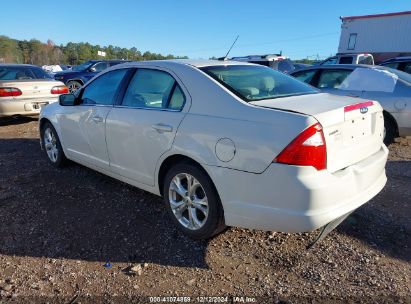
(25, 89)
(225, 143)
(82, 73)
(362, 58)
(274, 61)
(391, 88)
(399, 63)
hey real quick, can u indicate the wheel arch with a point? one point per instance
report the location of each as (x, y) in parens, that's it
(81, 81)
(172, 160)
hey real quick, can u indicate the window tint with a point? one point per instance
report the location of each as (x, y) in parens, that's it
(103, 89)
(149, 89)
(365, 60)
(392, 65)
(346, 60)
(407, 67)
(40, 74)
(305, 76)
(257, 82)
(261, 62)
(16, 73)
(332, 60)
(177, 99)
(332, 78)
(100, 66)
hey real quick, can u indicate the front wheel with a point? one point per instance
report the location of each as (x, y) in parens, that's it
(193, 202)
(52, 146)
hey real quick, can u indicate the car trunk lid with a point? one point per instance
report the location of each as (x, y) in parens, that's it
(32, 89)
(353, 128)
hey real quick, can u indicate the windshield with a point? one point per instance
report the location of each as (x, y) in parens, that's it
(83, 66)
(251, 82)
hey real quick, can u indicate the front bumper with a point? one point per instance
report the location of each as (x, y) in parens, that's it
(297, 199)
(23, 107)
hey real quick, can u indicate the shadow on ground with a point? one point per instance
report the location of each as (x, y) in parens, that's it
(384, 223)
(16, 120)
(76, 213)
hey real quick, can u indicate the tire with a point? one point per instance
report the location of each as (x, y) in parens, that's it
(389, 131)
(52, 146)
(73, 86)
(197, 211)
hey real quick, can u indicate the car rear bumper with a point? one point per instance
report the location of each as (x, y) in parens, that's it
(297, 199)
(24, 107)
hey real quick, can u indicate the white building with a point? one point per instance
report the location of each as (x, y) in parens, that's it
(384, 35)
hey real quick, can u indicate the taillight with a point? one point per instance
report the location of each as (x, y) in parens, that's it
(59, 90)
(307, 149)
(8, 92)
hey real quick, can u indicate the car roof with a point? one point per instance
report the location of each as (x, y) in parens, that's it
(397, 59)
(191, 62)
(18, 65)
(335, 66)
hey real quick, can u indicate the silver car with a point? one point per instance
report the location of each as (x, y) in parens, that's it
(391, 88)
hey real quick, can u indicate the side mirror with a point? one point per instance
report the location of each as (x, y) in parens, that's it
(93, 69)
(67, 100)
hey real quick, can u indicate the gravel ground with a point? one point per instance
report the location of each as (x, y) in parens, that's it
(74, 235)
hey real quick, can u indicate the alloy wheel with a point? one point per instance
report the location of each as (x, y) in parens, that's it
(50, 144)
(188, 201)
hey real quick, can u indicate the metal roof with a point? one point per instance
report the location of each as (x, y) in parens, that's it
(376, 16)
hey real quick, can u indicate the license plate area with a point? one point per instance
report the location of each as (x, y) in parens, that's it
(357, 128)
(39, 105)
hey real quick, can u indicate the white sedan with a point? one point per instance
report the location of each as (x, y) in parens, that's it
(225, 143)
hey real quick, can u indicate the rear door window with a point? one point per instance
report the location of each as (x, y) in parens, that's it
(332, 79)
(346, 60)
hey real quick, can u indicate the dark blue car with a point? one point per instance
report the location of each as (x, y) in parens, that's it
(82, 73)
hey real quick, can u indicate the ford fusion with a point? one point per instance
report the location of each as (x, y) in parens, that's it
(224, 143)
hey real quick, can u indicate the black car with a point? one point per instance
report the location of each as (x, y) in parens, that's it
(82, 73)
(399, 63)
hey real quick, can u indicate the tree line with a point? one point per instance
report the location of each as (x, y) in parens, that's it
(36, 52)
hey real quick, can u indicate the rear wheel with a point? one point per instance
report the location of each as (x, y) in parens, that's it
(73, 86)
(52, 146)
(193, 202)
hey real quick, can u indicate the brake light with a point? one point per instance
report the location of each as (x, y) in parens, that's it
(358, 106)
(59, 90)
(307, 149)
(9, 92)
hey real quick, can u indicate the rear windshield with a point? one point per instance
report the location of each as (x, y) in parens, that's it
(22, 73)
(251, 82)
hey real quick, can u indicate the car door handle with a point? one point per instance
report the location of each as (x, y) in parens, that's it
(97, 119)
(162, 128)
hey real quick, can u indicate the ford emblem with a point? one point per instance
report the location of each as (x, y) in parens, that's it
(363, 110)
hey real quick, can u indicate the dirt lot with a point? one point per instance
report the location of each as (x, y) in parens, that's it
(59, 227)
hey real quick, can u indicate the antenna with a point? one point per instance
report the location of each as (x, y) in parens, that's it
(226, 55)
